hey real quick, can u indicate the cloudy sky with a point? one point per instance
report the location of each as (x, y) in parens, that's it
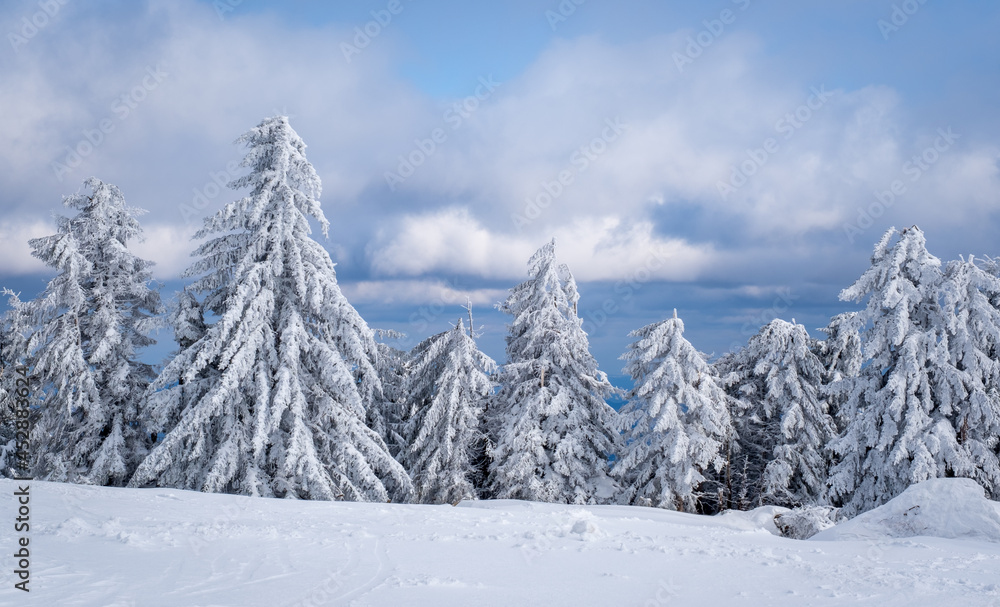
(734, 159)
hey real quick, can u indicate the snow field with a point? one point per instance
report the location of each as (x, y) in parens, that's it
(161, 547)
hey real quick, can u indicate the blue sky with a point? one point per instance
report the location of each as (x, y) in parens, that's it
(720, 157)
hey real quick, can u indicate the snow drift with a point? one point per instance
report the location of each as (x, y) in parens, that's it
(940, 507)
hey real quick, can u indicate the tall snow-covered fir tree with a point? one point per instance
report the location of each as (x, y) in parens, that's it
(446, 390)
(550, 427)
(784, 424)
(59, 363)
(909, 392)
(85, 332)
(972, 305)
(676, 421)
(272, 399)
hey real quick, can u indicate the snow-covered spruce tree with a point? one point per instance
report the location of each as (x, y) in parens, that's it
(550, 427)
(59, 364)
(8, 390)
(16, 326)
(390, 365)
(971, 297)
(785, 424)
(88, 325)
(446, 387)
(676, 421)
(909, 391)
(841, 356)
(274, 394)
(728, 481)
(187, 320)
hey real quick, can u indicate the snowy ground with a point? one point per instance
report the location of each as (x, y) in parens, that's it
(150, 547)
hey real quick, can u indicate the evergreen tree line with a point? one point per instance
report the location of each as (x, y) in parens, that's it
(279, 388)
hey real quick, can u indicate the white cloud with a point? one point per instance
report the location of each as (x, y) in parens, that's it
(595, 248)
(169, 246)
(685, 134)
(419, 292)
(14, 249)
(222, 78)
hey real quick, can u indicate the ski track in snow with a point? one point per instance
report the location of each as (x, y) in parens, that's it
(95, 546)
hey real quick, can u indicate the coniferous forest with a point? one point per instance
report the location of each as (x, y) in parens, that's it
(279, 388)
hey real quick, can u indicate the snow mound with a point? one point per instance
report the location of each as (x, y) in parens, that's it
(758, 519)
(804, 522)
(585, 527)
(942, 507)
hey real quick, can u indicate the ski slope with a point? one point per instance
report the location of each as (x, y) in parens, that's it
(153, 547)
